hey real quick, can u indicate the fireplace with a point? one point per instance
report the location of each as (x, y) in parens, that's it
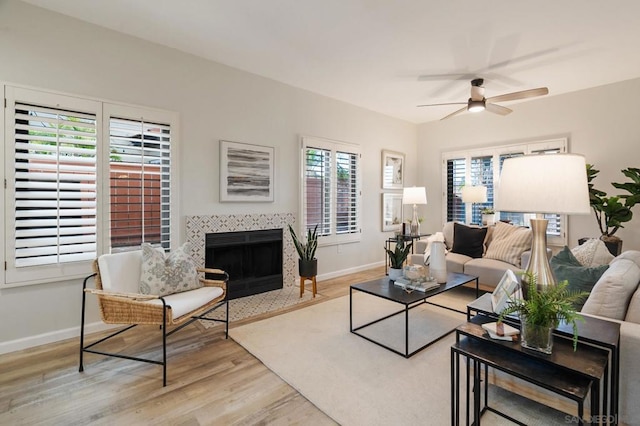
(253, 260)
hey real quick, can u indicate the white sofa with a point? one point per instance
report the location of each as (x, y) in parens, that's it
(489, 271)
(616, 297)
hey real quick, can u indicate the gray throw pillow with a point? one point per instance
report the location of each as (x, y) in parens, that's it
(161, 275)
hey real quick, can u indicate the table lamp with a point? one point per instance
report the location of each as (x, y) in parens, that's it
(414, 195)
(543, 183)
(474, 194)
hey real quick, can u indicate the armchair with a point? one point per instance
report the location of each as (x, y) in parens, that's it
(120, 301)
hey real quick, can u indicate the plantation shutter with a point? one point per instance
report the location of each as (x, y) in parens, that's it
(51, 193)
(317, 189)
(516, 218)
(140, 181)
(482, 174)
(347, 193)
(456, 172)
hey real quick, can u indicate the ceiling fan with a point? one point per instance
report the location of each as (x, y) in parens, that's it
(477, 102)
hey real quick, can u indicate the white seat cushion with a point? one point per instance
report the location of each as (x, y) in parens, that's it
(611, 295)
(188, 301)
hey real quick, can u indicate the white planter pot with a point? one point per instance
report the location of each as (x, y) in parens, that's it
(488, 219)
(394, 274)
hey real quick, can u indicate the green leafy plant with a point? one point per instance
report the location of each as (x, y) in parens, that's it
(547, 306)
(612, 212)
(306, 251)
(487, 210)
(399, 254)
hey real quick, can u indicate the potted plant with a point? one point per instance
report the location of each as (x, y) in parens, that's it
(397, 257)
(612, 212)
(488, 216)
(541, 312)
(307, 264)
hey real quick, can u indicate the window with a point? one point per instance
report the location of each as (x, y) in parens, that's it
(478, 167)
(330, 194)
(61, 209)
(140, 179)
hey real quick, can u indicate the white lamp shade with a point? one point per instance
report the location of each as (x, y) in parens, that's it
(544, 183)
(414, 195)
(474, 194)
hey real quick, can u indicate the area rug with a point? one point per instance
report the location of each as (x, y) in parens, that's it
(245, 307)
(356, 382)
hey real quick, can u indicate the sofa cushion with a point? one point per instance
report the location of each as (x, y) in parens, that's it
(162, 275)
(468, 241)
(633, 311)
(508, 242)
(592, 252)
(611, 295)
(581, 278)
(456, 262)
(633, 255)
(488, 271)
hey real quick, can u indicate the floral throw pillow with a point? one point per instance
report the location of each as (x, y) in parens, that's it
(173, 273)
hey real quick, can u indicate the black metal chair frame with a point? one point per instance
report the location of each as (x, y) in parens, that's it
(165, 334)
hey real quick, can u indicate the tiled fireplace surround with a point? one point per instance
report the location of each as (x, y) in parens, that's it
(198, 226)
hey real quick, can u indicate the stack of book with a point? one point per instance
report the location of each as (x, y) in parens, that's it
(501, 331)
(422, 286)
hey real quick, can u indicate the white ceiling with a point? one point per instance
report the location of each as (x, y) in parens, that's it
(372, 53)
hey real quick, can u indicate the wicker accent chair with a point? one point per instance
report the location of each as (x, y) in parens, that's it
(116, 279)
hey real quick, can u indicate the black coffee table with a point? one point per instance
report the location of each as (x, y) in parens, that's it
(384, 288)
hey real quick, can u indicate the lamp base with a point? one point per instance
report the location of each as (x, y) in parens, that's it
(415, 223)
(538, 262)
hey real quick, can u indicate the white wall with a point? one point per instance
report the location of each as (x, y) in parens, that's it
(50, 51)
(602, 123)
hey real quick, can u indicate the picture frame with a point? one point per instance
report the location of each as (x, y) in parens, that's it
(246, 172)
(508, 287)
(392, 170)
(391, 211)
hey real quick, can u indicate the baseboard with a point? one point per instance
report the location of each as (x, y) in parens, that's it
(51, 337)
(336, 274)
(74, 332)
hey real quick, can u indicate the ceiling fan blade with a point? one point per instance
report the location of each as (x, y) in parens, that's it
(454, 113)
(540, 91)
(448, 103)
(497, 109)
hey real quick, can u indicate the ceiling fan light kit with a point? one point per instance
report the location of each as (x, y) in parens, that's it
(477, 102)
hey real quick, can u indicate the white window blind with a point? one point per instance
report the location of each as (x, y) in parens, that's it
(55, 185)
(330, 195)
(456, 174)
(140, 181)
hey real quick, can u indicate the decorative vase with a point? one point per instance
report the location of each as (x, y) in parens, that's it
(308, 268)
(394, 274)
(438, 262)
(536, 337)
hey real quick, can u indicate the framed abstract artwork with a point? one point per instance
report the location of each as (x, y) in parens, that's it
(392, 170)
(246, 172)
(391, 211)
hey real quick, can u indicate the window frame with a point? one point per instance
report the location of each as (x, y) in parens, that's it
(58, 272)
(333, 237)
(496, 152)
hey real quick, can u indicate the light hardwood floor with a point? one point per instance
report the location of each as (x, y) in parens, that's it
(211, 381)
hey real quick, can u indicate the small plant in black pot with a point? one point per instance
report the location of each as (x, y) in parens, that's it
(307, 264)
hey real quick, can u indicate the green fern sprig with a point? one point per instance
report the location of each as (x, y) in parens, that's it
(547, 306)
